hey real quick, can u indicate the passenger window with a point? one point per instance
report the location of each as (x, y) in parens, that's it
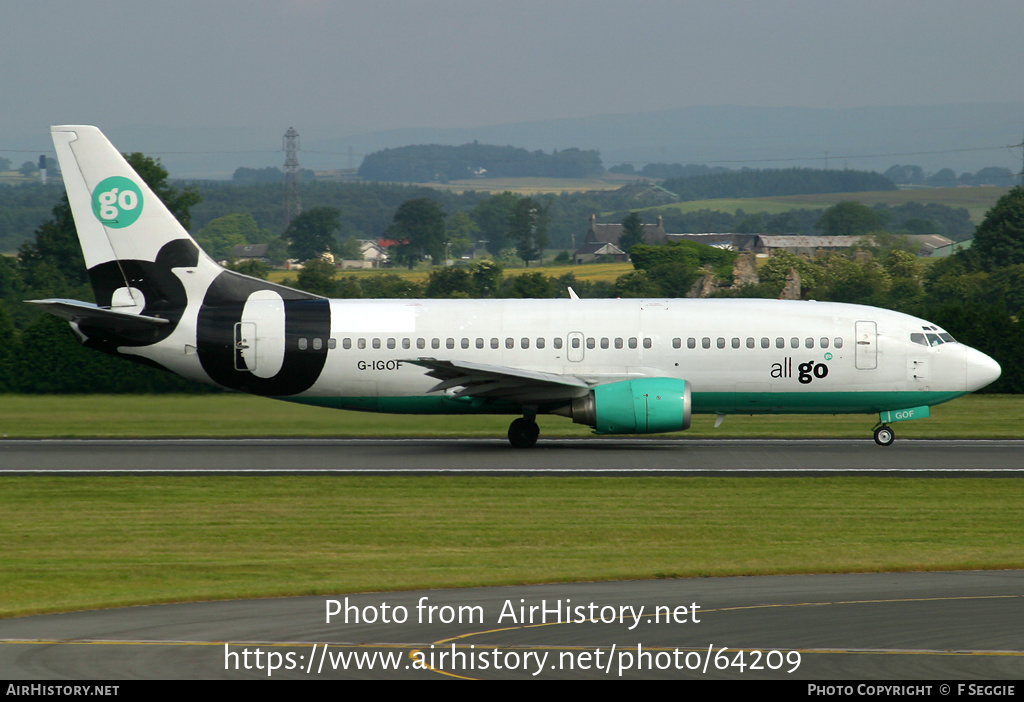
(435, 343)
(765, 342)
(590, 342)
(677, 343)
(557, 341)
(361, 343)
(540, 342)
(524, 343)
(318, 344)
(376, 343)
(391, 343)
(406, 343)
(421, 343)
(604, 342)
(721, 343)
(346, 343)
(494, 342)
(735, 342)
(479, 343)
(464, 343)
(449, 343)
(648, 342)
(794, 342)
(705, 343)
(824, 342)
(632, 342)
(838, 342)
(750, 342)
(691, 343)
(332, 343)
(809, 343)
(780, 343)
(302, 344)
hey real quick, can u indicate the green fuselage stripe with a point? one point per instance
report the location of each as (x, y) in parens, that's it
(703, 403)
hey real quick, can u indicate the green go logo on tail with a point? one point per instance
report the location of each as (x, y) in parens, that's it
(117, 202)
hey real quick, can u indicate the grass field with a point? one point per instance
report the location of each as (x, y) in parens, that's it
(69, 543)
(591, 271)
(977, 201)
(232, 415)
(82, 543)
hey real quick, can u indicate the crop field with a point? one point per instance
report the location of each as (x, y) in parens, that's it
(591, 271)
(977, 201)
(530, 186)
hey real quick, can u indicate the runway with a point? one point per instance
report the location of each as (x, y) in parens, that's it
(898, 626)
(678, 456)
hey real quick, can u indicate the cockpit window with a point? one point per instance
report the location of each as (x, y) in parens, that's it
(932, 338)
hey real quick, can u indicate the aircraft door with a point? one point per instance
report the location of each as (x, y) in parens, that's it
(866, 354)
(575, 347)
(245, 346)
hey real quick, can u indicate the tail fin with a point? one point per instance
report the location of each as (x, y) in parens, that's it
(161, 300)
(129, 238)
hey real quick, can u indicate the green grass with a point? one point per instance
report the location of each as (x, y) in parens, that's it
(231, 415)
(977, 201)
(72, 543)
(69, 543)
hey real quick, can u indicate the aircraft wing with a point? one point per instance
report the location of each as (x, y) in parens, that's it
(501, 382)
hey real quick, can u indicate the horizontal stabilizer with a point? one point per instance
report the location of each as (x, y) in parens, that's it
(77, 312)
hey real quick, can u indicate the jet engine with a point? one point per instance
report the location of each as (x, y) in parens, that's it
(640, 406)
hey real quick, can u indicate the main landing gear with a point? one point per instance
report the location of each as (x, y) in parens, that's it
(523, 432)
(884, 435)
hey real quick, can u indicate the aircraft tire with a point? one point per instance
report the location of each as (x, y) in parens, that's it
(523, 433)
(884, 435)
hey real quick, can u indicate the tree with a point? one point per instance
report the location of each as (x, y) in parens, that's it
(221, 235)
(179, 202)
(462, 232)
(349, 249)
(848, 219)
(312, 233)
(632, 231)
(492, 216)
(528, 227)
(999, 239)
(317, 276)
(419, 226)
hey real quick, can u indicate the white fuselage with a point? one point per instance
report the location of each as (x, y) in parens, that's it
(738, 355)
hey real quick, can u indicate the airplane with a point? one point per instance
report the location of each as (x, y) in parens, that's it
(620, 366)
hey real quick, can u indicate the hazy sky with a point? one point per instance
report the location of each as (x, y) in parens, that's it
(358, 65)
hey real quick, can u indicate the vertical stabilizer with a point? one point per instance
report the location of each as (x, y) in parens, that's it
(130, 240)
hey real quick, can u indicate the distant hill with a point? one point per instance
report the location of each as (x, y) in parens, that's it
(438, 163)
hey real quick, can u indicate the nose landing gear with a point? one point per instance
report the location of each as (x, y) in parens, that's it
(884, 435)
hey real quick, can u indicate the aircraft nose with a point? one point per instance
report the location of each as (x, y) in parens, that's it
(981, 370)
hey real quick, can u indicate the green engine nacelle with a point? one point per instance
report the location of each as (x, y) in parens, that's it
(641, 406)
